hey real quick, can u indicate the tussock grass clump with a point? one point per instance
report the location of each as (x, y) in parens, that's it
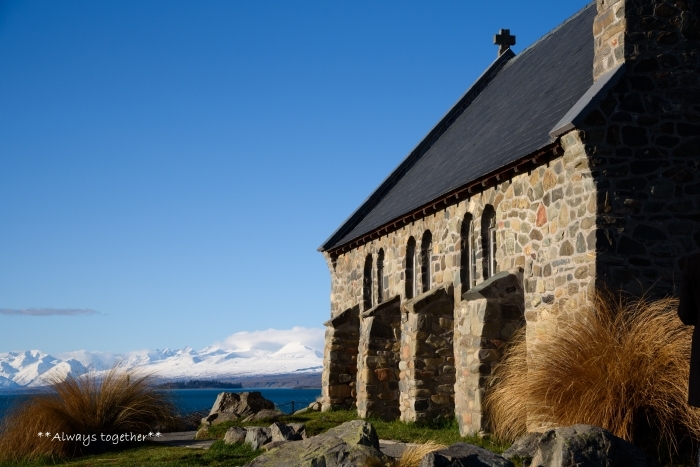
(411, 457)
(114, 403)
(621, 364)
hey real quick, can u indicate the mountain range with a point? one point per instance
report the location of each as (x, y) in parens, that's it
(33, 368)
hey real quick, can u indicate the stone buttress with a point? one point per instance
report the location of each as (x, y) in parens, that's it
(340, 360)
(485, 320)
(427, 356)
(378, 361)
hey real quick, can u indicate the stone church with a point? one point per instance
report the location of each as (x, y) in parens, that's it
(568, 167)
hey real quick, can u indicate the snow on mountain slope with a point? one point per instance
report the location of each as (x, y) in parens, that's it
(297, 350)
(35, 368)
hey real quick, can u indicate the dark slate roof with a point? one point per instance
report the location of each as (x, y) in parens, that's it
(509, 119)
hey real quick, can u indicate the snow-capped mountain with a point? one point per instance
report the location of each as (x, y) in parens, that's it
(35, 368)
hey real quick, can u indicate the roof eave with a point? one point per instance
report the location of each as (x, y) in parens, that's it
(578, 113)
(524, 164)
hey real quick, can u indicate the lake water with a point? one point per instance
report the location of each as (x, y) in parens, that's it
(191, 400)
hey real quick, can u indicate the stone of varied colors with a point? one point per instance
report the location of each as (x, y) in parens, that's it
(427, 371)
(340, 360)
(378, 361)
(486, 319)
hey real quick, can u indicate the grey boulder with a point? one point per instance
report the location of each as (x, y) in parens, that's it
(464, 455)
(299, 429)
(356, 432)
(235, 435)
(257, 436)
(265, 414)
(587, 445)
(235, 405)
(348, 445)
(281, 432)
(312, 407)
(524, 447)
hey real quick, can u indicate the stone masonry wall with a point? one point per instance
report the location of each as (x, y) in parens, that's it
(378, 361)
(427, 377)
(487, 318)
(545, 224)
(340, 360)
(644, 142)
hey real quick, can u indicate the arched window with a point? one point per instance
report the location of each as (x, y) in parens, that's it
(411, 268)
(367, 283)
(380, 276)
(426, 248)
(467, 267)
(488, 241)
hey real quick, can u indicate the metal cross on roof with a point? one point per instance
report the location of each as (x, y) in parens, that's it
(504, 40)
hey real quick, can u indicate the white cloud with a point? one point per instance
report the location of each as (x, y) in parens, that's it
(274, 339)
(48, 312)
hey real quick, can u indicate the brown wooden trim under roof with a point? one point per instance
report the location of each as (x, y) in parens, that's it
(527, 163)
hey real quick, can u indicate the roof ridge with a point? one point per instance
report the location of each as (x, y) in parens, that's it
(422, 147)
(555, 30)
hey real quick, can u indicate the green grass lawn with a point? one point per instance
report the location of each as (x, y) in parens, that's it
(152, 454)
(221, 454)
(155, 455)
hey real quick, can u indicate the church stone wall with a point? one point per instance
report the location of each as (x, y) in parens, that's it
(546, 220)
(644, 142)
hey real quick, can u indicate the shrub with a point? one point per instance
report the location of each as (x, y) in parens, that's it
(621, 364)
(115, 403)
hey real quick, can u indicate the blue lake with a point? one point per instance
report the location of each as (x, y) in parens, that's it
(191, 400)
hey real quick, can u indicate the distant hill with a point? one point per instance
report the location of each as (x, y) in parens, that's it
(199, 384)
(285, 367)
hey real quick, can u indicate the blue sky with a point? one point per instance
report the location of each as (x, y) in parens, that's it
(173, 166)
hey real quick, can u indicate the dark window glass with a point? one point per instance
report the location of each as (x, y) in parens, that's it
(367, 283)
(411, 268)
(426, 248)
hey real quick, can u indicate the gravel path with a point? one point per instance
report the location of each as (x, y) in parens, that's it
(184, 439)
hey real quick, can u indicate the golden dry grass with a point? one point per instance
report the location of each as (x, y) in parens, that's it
(115, 403)
(621, 364)
(411, 457)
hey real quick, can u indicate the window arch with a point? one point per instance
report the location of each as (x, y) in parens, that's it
(380, 276)
(467, 267)
(367, 283)
(488, 241)
(426, 248)
(410, 268)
